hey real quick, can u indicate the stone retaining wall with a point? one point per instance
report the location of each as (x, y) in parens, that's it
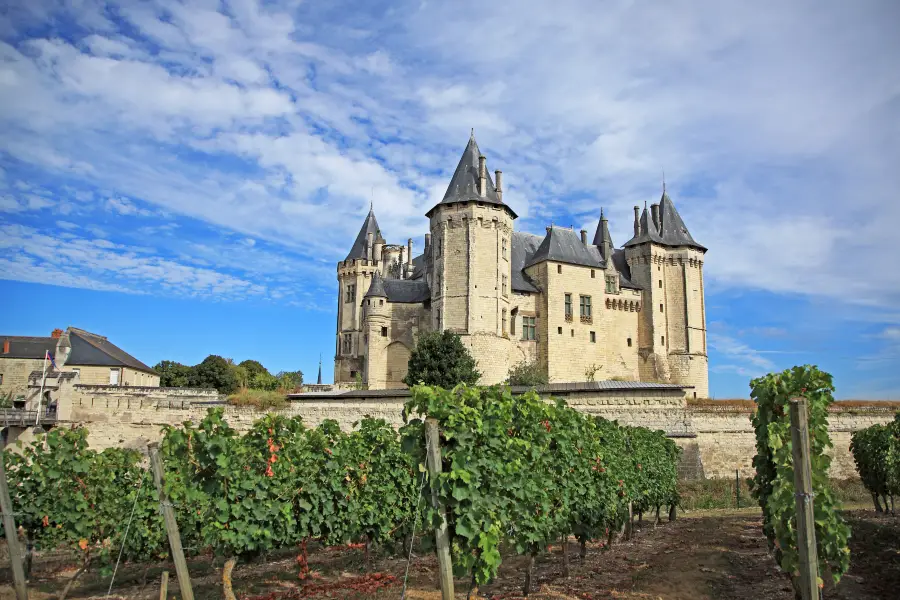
(716, 440)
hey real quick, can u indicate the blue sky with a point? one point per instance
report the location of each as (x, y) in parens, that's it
(183, 177)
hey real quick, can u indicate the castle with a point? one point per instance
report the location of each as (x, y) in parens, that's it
(579, 309)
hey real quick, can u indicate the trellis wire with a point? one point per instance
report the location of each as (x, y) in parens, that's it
(412, 537)
(125, 537)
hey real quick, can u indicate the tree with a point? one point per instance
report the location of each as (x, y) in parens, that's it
(241, 377)
(214, 372)
(527, 373)
(289, 380)
(253, 367)
(173, 374)
(440, 359)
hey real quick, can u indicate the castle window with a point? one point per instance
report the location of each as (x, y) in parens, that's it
(660, 284)
(348, 343)
(503, 315)
(559, 330)
(384, 332)
(660, 308)
(559, 268)
(1, 378)
(592, 273)
(568, 307)
(573, 333)
(529, 328)
(437, 282)
(380, 302)
(352, 374)
(629, 342)
(610, 284)
(593, 337)
(503, 247)
(439, 319)
(585, 307)
(662, 340)
(351, 293)
(505, 285)
(440, 246)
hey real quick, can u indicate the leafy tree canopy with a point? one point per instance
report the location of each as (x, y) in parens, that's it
(173, 374)
(289, 380)
(441, 359)
(526, 373)
(253, 367)
(214, 372)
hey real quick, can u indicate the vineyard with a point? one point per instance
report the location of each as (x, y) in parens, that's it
(876, 451)
(518, 473)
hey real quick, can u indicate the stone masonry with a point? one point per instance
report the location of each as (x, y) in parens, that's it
(580, 310)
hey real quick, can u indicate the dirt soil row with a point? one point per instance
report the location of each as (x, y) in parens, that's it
(712, 554)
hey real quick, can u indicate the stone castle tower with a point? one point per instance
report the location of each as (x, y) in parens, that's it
(514, 296)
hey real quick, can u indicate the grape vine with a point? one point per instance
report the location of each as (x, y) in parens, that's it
(876, 451)
(773, 484)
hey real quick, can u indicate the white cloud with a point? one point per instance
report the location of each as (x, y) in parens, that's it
(777, 124)
(66, 225)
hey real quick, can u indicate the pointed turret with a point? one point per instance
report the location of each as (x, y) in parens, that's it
(466, 184)
(672, 229)
(319, 378)
(376, 289)
(602, 239)
(370, 226)
(647, 231)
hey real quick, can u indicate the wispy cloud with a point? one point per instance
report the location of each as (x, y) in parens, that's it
(777, 125)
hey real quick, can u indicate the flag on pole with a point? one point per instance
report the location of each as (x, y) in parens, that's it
(50, 358)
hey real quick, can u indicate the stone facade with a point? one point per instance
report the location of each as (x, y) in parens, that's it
(580, 311)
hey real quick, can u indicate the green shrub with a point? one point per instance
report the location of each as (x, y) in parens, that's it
(527, 373)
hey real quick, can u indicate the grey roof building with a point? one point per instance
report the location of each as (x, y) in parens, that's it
(575, 306)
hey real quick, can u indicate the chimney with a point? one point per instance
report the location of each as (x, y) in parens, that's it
(370, 237)
(482, 176)
(409, 255)
(56, 333)
(427, 242)
(498, 179)
(5, 346)
(654, 210)
(584, 237)
(401, 262)
(637, 221)
(379, 247)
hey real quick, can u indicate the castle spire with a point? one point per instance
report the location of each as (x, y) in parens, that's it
(319, 378)
(602, 238)
(370, 225)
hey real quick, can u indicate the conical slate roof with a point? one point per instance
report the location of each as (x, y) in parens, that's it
(359, 246)
(464, 183)
(376, 288)
(602, 235)
(647, 233)
(672, 229)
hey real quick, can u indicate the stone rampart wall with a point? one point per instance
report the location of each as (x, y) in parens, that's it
(717, 440)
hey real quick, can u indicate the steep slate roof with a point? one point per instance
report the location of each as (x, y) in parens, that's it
(647, 233)
(624, 270)
(401, 291)
(21, 346)
(523, 247)
(376, 288)
(563, 245)
(464, 183)
(418, 266)
(88, 349)
(671, 228)
(370, 225)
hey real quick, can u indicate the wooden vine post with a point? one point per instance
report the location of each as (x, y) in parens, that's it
(441, 535)
(12, 539)
(803, 494)
(181, 570)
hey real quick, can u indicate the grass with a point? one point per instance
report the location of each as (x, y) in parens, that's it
(710, 494)
(259, 399)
